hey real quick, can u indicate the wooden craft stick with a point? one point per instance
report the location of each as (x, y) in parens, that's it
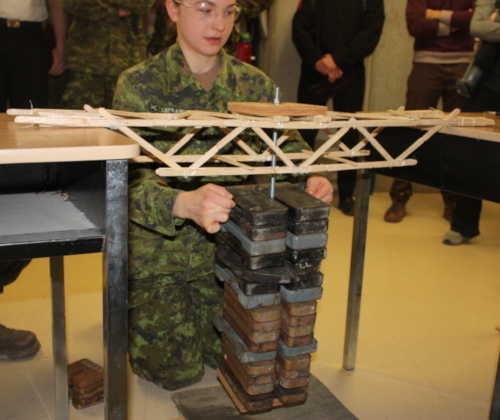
(375, 143)
(220, 144)
(143, 143)
(329, 143)
(186, 139)
(262, 134)
(427, 136)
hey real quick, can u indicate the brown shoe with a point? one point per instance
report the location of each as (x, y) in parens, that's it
(396, 212)
(16, 344)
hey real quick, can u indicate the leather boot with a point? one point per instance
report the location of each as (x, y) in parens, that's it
(466, 85)
(16, 344)
(397, 211)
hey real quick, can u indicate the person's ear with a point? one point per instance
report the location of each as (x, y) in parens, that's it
(172, 10)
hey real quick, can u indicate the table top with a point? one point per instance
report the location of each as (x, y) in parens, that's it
(22, 143)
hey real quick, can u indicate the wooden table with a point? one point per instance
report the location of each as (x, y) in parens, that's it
(463, 160)
(64, 191)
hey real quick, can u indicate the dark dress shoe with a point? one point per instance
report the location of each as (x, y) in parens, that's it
(346, 206)
(17, 344)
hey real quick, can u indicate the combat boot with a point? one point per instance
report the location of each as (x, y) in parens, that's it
(17, 344)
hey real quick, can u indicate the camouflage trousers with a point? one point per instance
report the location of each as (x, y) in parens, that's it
(171, 336)
(82, 88)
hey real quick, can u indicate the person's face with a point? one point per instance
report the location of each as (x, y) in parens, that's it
(203, 26)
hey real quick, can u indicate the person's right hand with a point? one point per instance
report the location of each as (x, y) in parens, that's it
(208, 206)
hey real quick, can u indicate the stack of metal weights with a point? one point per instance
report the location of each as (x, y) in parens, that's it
(86, 383)
(269, 255)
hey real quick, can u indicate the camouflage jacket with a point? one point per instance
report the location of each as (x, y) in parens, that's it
(102, 42)
(165, 83)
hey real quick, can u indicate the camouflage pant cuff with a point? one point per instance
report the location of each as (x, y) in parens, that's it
(168, 384)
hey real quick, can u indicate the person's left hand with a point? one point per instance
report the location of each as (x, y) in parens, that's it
(320, 187)
(57, 67)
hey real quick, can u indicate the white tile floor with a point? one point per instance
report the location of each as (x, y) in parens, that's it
(428, 346)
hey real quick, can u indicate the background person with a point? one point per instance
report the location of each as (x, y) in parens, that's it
(443, 48)
(333, 37)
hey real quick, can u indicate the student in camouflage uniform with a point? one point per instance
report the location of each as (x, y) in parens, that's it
(173, 293)
(105, 38)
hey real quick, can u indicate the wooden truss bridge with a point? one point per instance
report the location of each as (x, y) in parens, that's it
(333, 155)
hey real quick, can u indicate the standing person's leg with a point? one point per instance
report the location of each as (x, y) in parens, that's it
(465, 223)
(29, 68)
(451, 100)
(350, 100)
(15, 344)
(400, 193)
(467, 213)
(424, 88)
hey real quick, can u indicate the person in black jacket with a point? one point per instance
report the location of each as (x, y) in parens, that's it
(333, 37)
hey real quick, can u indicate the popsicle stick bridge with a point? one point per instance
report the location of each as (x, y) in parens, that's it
(257, 118)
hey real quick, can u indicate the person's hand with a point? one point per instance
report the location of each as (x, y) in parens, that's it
(320, 187)
(493, 16)
(57, 67)
(123, 13)
(208, 206)
(432, 14)
(326, 64)
(334, 75)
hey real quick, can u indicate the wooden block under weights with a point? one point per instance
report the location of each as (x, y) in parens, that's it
(253, 385)
(300, 308)
(292, 374)
(296, 341)
(297, 331)
(292, 395)
(251, 403)
(293, 383)
(246, 316)
(263, 367)
(236, 326)
(256, 341)
(264, 314)
(298, 321)
(80, 402)
(300, 361)
(80, 366)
